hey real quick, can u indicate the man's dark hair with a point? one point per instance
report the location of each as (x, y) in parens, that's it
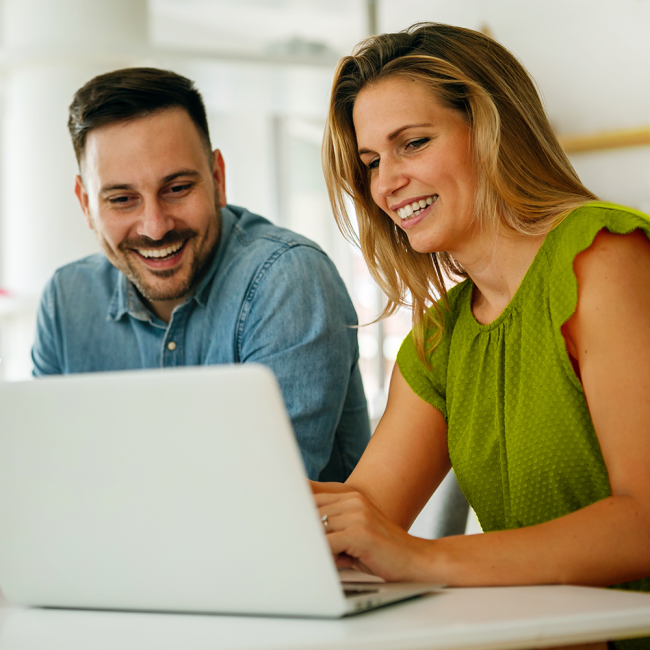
(131, 93)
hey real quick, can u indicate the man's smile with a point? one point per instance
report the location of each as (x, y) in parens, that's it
(160, 252)
(162, 258)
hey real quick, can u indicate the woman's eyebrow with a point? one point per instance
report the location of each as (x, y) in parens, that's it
(396, 132)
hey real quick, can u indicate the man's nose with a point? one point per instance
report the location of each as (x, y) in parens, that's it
(155, 221)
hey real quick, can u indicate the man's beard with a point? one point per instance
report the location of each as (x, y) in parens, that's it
(139, 277)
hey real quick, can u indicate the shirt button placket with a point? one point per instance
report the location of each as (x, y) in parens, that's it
(173, 350)
(172, 353)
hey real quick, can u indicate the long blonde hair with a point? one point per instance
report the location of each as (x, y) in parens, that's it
(525, 180)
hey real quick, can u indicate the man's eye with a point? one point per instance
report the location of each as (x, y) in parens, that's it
(119, 200)
(179, 189)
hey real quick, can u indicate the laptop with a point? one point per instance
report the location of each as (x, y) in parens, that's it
(176, 490)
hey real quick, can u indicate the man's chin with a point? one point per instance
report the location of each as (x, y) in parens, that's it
(154, 293)
(165, 285)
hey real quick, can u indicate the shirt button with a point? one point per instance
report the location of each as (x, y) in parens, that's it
(171, 346)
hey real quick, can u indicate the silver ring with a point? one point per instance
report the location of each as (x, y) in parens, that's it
(326, 524)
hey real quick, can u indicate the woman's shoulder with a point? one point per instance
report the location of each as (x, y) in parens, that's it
(581, 225)
(615, 259)
(591, 235)
(428, 378)
(576, 232)
(446, 310)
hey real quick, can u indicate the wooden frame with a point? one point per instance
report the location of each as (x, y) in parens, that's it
(636, 137)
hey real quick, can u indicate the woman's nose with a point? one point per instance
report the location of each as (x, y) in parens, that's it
(390, 177)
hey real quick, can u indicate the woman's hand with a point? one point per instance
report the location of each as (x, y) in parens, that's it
(362, 538)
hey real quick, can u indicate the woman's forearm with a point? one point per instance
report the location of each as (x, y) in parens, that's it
(605, 543)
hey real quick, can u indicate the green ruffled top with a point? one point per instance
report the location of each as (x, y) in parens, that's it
(520, 437)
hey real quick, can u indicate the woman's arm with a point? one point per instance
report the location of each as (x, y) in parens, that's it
(605, 543)
(406, 458)
(403, 464)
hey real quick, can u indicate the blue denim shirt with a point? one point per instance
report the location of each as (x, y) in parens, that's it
(268, 296)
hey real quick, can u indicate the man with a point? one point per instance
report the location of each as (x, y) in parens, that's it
(186, 279)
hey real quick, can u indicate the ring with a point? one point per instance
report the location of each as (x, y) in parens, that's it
(326, 524)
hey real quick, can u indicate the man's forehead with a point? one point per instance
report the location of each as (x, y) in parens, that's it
(169, 122)
(167, 137)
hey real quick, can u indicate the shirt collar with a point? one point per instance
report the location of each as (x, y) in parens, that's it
(126, 299)
(227, 225)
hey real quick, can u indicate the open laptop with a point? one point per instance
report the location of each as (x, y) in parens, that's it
(164, 490)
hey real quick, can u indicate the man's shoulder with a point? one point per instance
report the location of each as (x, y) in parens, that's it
(255, 245)
(88, 274)
(258, 257)
(253, 230)
(92, 265)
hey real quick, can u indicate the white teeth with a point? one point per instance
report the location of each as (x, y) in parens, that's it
(160, 252)
(416, 207)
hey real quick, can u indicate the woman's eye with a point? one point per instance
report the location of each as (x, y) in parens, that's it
(373, 164)
(416, 144)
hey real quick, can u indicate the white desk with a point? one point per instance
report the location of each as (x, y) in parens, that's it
(501, 617)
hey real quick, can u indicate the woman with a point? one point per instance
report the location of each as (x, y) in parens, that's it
(532, 376)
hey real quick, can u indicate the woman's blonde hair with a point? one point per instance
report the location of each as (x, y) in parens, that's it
(525, 180)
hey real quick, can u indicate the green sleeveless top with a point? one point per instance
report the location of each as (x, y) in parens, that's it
(520, 437)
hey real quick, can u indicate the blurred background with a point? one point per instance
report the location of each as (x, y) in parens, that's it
(265, 68)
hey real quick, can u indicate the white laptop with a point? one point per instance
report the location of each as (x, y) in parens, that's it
(164, 490)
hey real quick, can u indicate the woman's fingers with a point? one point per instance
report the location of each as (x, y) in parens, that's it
(344, 561)
(356, 530)
(360, 536)
(325, 498)
(338, 511)
(330, 506)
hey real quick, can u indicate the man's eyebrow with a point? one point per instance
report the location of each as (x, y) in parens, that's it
(192, 173)
(395, 133)
(115, 186)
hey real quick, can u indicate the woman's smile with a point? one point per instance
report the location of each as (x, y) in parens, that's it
(410, 212)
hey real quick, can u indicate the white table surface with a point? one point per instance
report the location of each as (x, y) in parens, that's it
(497, 617)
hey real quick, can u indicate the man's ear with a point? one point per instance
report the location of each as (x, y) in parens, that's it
(82, 195)
(219, 173)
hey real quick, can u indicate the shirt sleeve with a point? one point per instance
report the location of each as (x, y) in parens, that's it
(426, 383)
(299, 321)
(46, 343)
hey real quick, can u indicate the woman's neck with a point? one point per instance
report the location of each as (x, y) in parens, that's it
(497, 266)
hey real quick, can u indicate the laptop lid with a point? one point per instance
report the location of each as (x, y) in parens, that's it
(173, 490)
